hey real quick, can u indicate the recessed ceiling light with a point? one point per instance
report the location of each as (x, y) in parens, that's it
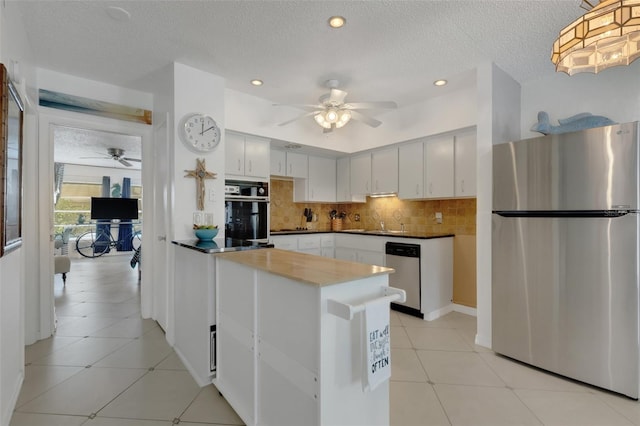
(440, 82)
(257, 82)
(118, 13)
(337, 21)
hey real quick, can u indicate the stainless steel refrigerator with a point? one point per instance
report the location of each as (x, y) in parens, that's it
(565, 254)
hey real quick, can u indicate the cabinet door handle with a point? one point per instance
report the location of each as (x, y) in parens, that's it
(417, 189)
(250, 166)
(462, 186)
(366, 186)
(430, 188)
(238, 164)
(279, 166)
(312, 192)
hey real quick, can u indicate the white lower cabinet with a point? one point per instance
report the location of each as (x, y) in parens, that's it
(316, 244)
(284, 242)
(194, 307)
(360, 248)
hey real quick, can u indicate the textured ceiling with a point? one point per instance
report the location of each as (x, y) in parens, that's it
(388, 50)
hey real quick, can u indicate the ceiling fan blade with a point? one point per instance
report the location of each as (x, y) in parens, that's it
(371, 105)
(94, 158)
(306, 107)
(355, 115)
(329, 130)
(125, 162)
(132, 159)
(298, 118)
(337, 97)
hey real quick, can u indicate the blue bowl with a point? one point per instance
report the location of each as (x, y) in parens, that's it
(206, 234)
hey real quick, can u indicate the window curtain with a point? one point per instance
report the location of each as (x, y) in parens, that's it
(103, 226)
(58, 174)
(126, 228)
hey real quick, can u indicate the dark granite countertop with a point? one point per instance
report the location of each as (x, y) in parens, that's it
(220, 245)
(378, 233)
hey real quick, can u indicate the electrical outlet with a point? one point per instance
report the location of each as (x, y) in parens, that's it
(438, 217)
(212, 195)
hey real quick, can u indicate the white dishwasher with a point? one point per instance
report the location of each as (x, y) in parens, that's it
(405, 259)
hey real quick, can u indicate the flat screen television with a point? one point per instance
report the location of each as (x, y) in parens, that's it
(114, 208)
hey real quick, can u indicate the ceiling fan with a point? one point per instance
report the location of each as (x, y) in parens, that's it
(332, 112)
(117, 154)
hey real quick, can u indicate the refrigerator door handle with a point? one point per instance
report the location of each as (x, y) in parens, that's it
(565, 213)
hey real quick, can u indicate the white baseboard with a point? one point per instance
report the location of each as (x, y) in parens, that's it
(465, 310)
(11, 404)
(201, 382)
(438, 313)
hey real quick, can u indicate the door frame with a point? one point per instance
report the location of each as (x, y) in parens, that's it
(49, 117)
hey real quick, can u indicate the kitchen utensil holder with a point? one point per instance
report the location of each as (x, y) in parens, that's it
(336, 224)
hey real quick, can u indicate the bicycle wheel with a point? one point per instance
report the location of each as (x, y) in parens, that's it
(91, 244)
(136, 240)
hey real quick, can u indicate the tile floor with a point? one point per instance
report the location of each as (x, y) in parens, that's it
(108, 367)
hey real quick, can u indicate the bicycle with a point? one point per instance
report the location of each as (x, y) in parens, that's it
(96, 243)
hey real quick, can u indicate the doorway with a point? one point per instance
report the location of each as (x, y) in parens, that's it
(92, 146)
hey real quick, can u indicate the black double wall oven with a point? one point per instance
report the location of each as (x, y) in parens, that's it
(247, 210)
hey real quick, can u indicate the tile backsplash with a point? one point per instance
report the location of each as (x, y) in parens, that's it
(458, 215)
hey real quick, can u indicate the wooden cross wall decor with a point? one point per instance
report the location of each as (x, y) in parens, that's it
(200, 174)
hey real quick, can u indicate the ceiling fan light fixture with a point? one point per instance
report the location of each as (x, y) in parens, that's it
(344, 118)
(606, 36)
(321, 121)
(331, 115)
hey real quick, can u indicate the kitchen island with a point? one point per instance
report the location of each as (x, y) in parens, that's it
(290, 338)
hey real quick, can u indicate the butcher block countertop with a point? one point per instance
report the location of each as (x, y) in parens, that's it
(313, 270)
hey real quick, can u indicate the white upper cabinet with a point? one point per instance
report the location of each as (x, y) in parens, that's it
(278, 163)
(465, 164)
(361, 174)
(343, 182)
(321, 185)
(438, 162)
(297, 165)
(246, 156)
(256, 157)
(289, 164)
(234, 154)
(411, 171)
(384, 170)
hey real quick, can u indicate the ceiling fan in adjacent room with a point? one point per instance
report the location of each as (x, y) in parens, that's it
(332, 112)
(117, 154)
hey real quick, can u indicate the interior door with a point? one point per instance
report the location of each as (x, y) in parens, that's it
(161, 210)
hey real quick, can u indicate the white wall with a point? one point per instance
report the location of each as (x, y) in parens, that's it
(253, 115)
(15, 52)
(197, 91)
(498, 117)
(614, 93)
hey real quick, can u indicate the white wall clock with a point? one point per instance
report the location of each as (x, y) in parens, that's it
(199, 132)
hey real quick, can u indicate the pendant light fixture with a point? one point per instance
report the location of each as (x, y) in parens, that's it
(606, 36)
